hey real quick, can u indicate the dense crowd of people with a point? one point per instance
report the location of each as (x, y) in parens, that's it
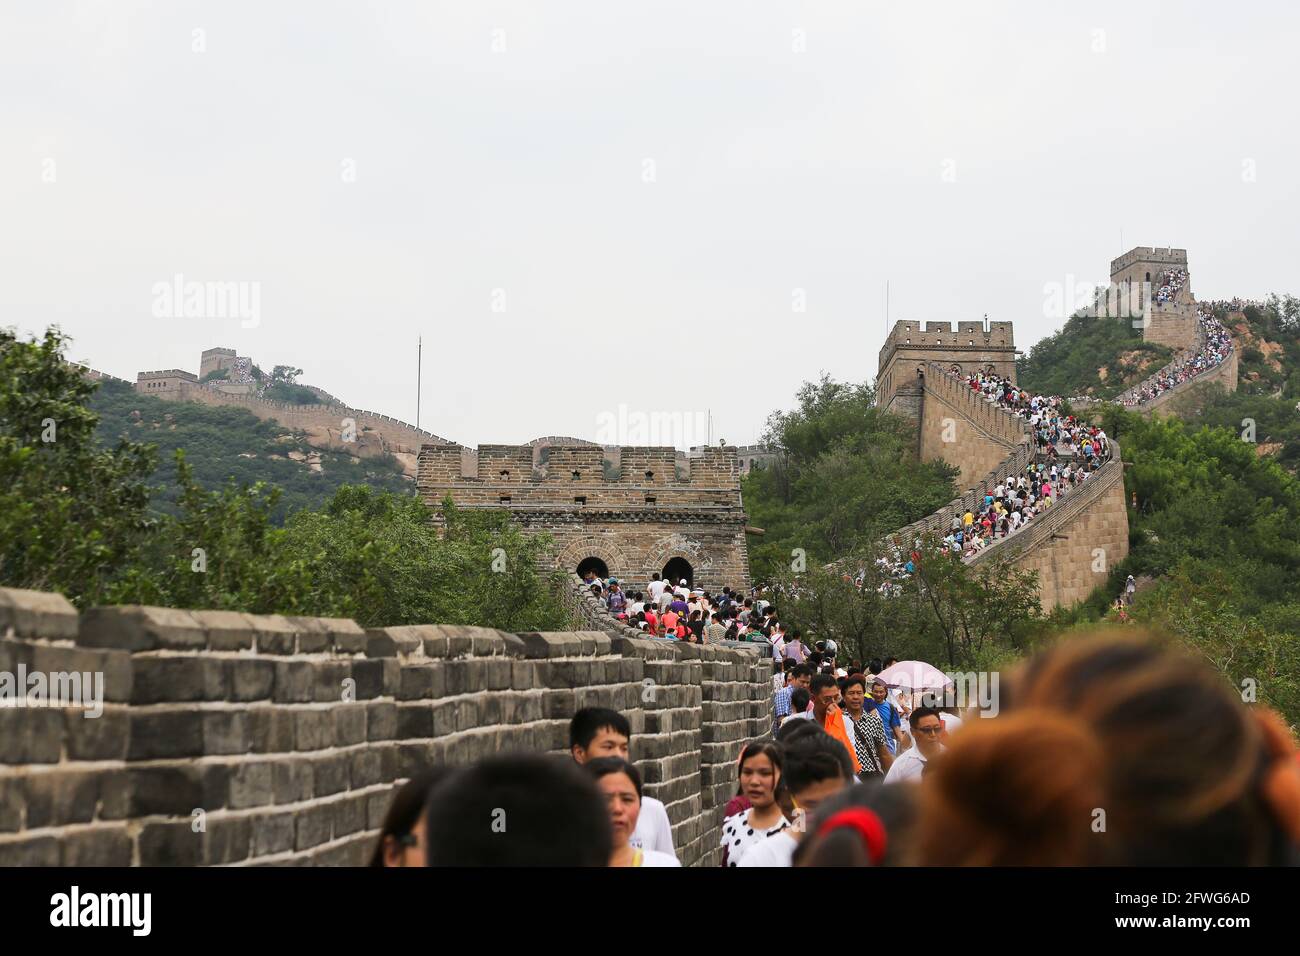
(1066, 452)
(1186, 772)
(692, 614)
(1215, 345)
(1170, 282)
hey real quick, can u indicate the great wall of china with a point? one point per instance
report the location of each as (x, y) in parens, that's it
(1074, 545)
(236, 739)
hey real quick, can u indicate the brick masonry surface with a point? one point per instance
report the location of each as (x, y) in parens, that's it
(245, 718)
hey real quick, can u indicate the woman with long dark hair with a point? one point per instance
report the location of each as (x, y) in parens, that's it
(760, 781)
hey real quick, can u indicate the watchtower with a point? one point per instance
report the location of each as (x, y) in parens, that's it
(1159, 281)
(213, 360)
(633, 512)
(971, 346)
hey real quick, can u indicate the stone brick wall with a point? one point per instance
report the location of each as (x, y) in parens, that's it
(964, 429)
(1075, 543)
(988, 444)
(394, 436)
(290, 734)
(1173, 324)
(1175, 400)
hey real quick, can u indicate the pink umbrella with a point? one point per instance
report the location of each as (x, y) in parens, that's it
(916, 675)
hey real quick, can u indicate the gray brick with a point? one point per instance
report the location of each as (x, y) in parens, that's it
(251, 679)
(136, 628)
(227, 840)
(312, 826)
(60, 797)
(293, 781)
(273, 833)
(166, 734)
(30, 735)
(226, 732)
(252, 785)
(104, 845)
(96, 738)
(169, 844)
(165, 791)
(313, 729)
(331, 774)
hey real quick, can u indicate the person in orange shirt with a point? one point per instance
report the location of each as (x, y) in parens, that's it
(824, 691)
(669, 621)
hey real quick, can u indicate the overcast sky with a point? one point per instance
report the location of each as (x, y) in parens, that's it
(588, 205)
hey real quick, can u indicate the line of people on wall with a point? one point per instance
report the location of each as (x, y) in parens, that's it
(1067, 451)
(678, 611)
(847, 778)
(1215, 345)
(1171, 281)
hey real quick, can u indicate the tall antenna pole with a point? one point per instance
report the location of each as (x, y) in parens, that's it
(419, 376)
(886, 307)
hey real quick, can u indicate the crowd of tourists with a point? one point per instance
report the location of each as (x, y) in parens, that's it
(692, 614)
(1170, 282)
(1215, 346)
(853, 776)
(1066, 452)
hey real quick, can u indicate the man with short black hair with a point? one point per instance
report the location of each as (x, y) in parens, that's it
(601, 732)
(912, 764)
(554, 813)
(868, 732)
(799, 675)
(828, 716)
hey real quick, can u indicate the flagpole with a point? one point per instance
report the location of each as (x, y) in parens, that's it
(419, 376)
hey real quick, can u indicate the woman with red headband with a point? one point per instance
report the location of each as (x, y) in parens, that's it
(760, 778)
(862, 826)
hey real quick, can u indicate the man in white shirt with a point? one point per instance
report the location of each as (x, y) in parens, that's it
(601, 732)
(927, 730)
(656, 590)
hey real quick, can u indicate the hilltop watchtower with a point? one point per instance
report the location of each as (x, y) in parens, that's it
(1141, 274)
(632, 512)
(969, 347)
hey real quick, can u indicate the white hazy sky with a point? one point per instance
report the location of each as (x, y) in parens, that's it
(968, 153)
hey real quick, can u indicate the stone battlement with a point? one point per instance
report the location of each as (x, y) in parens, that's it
(574, 462)
(291, 734)
(1149, 254)
(629, 511)
(970, 346)
(167, 373)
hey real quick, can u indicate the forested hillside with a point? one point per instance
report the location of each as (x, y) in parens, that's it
(1097, 357)
(231, 444)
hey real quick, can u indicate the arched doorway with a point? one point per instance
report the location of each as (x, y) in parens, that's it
(594, 565)
(678, 569)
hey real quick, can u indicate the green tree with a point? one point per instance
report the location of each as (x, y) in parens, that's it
(72, 514)
(846, 474)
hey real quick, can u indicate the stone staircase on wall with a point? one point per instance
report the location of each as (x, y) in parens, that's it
(289, 734)
(1047, 527)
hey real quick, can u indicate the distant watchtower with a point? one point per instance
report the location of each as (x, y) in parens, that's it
(1171, 319)
(970, 347)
